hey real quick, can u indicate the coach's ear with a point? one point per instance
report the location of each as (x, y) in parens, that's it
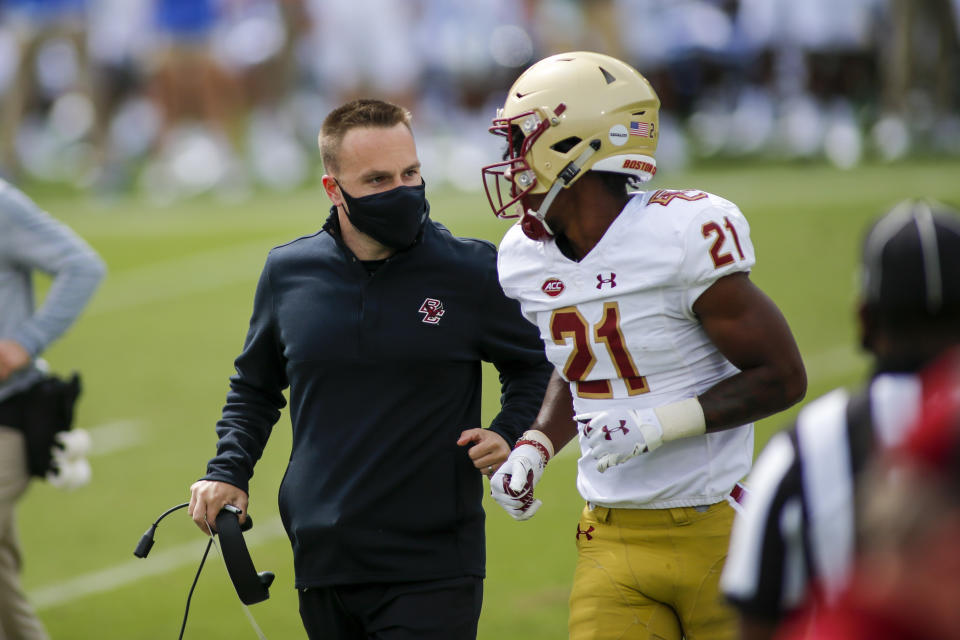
(332, 189)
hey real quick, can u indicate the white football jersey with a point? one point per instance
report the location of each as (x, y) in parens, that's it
(620, 327)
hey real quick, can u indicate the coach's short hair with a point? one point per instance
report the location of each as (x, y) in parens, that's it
(363, 112)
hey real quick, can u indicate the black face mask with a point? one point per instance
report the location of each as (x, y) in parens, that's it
(392, 218)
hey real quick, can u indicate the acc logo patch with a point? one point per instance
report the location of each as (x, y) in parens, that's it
(553, 287)
(432, 310)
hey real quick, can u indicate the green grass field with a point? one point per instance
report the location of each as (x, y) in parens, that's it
(157, 345)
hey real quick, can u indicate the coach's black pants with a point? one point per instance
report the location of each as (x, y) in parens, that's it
(430, 610)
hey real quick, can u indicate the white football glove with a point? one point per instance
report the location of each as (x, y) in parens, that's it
(72, 470)
(512, 485)
(616, 435)
(73, 444)
(70, 474)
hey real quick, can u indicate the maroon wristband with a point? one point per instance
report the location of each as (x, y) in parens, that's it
(539, 446)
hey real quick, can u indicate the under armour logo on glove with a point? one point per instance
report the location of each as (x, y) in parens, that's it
(512, 485)
(609, 439)
(524, 494)
(608, 432)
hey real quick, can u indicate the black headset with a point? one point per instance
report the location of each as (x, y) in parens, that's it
(252, 587)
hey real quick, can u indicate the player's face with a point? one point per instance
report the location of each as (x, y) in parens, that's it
(376, 159)
(566, 209)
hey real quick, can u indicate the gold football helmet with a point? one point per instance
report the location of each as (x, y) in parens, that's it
(567, 114)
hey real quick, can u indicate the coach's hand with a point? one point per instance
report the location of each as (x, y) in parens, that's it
(208, 497)
(615, 436)
(487, 451)
(512, 485)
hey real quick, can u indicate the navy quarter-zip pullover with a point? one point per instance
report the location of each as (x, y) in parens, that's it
(384, 371)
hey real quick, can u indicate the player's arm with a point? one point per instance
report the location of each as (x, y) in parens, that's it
(555, 419)
(513, 345)
(513, 484)
(751, 332)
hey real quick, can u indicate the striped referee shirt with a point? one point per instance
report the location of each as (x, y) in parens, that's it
(797, 527)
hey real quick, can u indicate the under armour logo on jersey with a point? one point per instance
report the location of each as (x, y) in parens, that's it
(581, 532)
(612, 280)
(607, 430)
(433, 310)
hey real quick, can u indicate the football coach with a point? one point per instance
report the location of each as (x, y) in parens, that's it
(378, 324)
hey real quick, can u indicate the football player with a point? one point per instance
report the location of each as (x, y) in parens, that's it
(662, 347)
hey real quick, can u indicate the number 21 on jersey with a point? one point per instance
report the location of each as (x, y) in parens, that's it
(665, 196)
(567, 324)
(719, 237)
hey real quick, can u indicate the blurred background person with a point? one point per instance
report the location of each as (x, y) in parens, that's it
(794, 542)
(30, 241)
(119, 48)
(50, 81)
(199, 102)
(905, 582)
(921, 66)
(256, 42)
(182, 97)
(365, 47)
(467, 56)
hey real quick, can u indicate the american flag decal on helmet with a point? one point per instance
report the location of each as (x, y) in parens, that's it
(640, 129)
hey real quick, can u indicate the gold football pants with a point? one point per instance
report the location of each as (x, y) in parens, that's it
(652, 574)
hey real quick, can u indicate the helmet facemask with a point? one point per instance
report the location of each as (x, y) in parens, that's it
(508, 181)
(521, 132)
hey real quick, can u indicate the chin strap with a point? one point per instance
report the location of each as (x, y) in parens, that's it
(564, 178)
